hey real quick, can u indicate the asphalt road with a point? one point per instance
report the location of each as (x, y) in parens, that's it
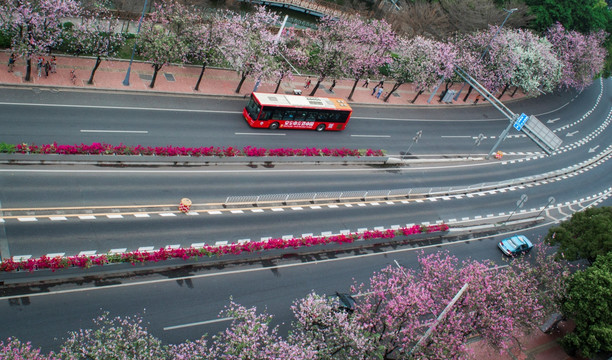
(187, 308)
(26, 116)
(74, 117)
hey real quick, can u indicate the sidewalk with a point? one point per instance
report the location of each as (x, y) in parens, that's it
(182, 79)
(533, 346)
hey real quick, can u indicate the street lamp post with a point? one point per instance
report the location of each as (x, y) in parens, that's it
(126, 81)
(415, 140)
(486, 50)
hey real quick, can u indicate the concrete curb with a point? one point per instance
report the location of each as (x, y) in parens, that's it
(151, 160)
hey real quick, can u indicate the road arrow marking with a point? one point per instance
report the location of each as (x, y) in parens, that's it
(572, 133)
(552, 121)
(592, 150)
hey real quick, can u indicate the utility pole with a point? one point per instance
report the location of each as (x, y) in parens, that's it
(126, 81)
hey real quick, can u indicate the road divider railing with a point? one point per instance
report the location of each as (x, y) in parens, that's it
(413, 193)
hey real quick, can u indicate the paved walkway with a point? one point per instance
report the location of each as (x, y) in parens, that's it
(182, 79)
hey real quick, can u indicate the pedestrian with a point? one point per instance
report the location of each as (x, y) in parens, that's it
(11, 63)
(47, 68)
(53, 65)
(374, 90)
(382, 81)
(366, 83)
(380, 91)
(331, 88)
(39, 66)
(308, 82)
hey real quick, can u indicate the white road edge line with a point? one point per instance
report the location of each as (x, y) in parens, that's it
(120, 108)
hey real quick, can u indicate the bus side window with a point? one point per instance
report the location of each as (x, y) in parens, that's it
(266, 114)
(311, 116)
(333, 117)
(277, 114)
(289, 115)
(323, 116)
(301, 115)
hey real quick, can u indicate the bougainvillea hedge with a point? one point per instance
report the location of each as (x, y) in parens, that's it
(228, 151)
(134, 257)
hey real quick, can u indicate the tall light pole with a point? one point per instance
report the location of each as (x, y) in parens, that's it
(126, 81)
(486, 50)
(276, 40)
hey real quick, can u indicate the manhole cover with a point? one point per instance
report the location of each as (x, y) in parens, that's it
(169, 77)
(145, 77)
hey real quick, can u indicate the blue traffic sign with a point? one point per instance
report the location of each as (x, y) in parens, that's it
(518, 124)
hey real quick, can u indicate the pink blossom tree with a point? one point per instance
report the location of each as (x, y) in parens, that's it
(252, 47)
(399, 305)
(582, 56)
(326, 48)
(537, 69)
(325, 330)
(96, 35)
(487, 58)
(421, 61)
(35, 26)
(207, 39)
(14, 349)
(113, 338)
(250, 337)
(368, 48)
(164, 35)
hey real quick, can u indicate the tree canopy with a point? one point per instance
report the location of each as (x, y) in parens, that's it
(585, 235)
(589, 304)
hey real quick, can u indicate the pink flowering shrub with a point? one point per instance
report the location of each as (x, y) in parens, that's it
(121, 149)
(133, 257)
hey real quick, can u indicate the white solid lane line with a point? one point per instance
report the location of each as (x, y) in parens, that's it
(116, 131)
(197, 323)
(261, 134)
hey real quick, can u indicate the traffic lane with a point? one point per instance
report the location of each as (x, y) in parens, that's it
(115, 98)
(170, 127)
(42, 186)
(169, 302)
(72, 236)
(544, 105)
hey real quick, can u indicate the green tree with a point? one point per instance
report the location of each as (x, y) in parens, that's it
(580, 15)
(585, 236)
(589, 303)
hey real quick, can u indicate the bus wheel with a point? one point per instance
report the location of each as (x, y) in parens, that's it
(320, 127)
(274, 126)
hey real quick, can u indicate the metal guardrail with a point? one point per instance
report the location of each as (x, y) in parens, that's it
(410, 193)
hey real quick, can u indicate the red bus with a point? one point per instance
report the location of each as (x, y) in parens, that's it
(279, 111)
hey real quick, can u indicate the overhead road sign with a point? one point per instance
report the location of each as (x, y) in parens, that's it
(541, 135)
(518, 124)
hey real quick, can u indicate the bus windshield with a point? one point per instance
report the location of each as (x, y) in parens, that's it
(253, 108)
